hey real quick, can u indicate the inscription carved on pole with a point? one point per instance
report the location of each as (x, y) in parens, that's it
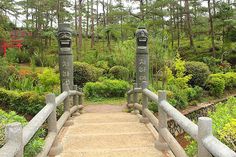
(142, 58)
(65, 55)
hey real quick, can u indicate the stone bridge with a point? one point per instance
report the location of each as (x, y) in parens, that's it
(115, 134)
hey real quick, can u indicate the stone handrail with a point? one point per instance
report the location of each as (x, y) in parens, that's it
(17, 137)
(208, 145)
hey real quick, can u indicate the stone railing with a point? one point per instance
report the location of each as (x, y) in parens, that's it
(208, 145)
(17, 136)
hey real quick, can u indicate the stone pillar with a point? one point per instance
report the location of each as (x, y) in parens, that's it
(204, 130)
(52, 119)
(142, 58)
(144, 118)
(135, 98)
(65, 55)
(161, 144)
(14, 134)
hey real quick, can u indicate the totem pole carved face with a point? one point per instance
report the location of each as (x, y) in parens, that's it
(64, 39)
(142, 37)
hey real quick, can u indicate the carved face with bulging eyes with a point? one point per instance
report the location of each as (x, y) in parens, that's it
(64, 36)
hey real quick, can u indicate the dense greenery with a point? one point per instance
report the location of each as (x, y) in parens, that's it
(224, 126)
(84, 72)
(29, 103)
(192, 49)
(106, 88)
(35, 144)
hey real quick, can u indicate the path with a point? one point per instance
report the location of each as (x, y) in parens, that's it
(114, 134)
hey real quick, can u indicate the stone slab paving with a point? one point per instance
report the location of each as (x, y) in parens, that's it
(115, 134)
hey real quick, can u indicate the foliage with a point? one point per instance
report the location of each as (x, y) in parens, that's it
(84, 72)
(49, 79)
(103, 65)
(194, 93)
(29, 103)
(229, 78)
(216, 86)
(6, 71)
(119, 72)
(106, 88)
(17, 56)
(199, 72)
(224, 125)
(35, 144)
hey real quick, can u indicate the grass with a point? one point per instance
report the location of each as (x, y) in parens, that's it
(105, 101)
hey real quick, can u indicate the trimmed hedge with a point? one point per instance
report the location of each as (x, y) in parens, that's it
(119, 72)
(29, 103)
(216, 86)
(199, 72)
(84, 72)
(229, 78)
(106, 88)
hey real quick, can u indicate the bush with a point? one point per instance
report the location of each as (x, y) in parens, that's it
(35, 144)
(29, 103)
(119, 72)
(223, 125)
(216, 86)
(49, 79)
(84, 72)
(6, 71)
(103, 65)
(229, 78)
(194, 93)
(199, 71)
(106, 88)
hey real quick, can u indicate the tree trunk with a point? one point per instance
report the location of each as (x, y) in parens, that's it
(76, 30)
(211, 31)
(87, 19)
(80, 27)
(92, 25)
(189, 27)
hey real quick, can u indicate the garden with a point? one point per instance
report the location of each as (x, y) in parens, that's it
(192, 55)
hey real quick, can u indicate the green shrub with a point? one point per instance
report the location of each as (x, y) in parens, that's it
(6, 71)
(216, 86)
(223, 125)
(84, 72)
(179, 99)
(229, 78)
(194, 93)
(49, 79)
(29, 103)
(103, 65)
(106, 88)
(199, 71)
(119, 72)
(35, 144)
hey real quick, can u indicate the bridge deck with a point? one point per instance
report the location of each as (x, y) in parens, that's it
(108, 135)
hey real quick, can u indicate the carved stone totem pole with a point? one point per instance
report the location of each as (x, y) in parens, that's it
(142, 57)
(65, 56)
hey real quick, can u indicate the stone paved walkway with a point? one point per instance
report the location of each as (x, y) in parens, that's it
(115, 134)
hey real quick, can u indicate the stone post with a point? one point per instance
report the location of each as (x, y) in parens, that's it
(135, 98)
(144, 119)
(160, 144)
(65, 55)
(204, 130)
(52, 119)
(67, 100)
(75, 97)
(14, 134)
(80, 97)
(142, 58)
